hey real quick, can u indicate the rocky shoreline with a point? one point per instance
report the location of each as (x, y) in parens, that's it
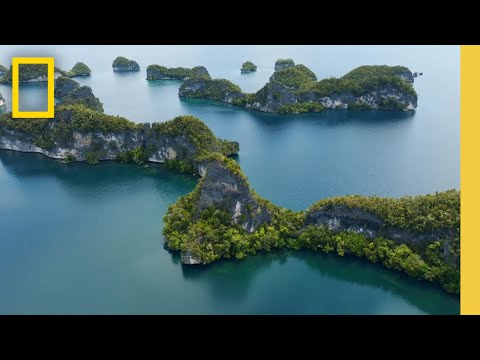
(378, 229)
(295, 89)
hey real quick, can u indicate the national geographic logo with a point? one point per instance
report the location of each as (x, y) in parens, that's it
(49, 61)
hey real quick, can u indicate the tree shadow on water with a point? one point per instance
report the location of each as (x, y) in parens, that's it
(229, 279)
(232, 280)
(82, 178)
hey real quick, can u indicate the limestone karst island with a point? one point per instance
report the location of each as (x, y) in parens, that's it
(295, 89)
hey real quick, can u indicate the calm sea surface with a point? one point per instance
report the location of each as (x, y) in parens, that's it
(88, 239)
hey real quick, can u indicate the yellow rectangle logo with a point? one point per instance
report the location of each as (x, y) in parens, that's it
(49, 61)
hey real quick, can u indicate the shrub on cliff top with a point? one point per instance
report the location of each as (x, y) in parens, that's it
(361, 86)
(121, 61)
(249, 66)
(284, 62)
(295, 77)
(175, 73)
(415, 213)
(215, 89)
(197, 133)
(375, 70)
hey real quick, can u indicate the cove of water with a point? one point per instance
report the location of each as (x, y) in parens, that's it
(87, 239)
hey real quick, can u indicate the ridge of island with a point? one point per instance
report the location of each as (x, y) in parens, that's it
(295, 89)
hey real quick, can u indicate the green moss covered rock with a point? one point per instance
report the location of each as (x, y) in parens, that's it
(248, 67)
(158, 72)
(79, 69)
(122, 64)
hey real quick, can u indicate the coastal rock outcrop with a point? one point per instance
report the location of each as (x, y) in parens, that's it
(2, 102)
(64, 86)
(223, 191)
(83, 95)
(212, 89)
(79, 69)
(122, 64)
(248, 67)
(158, 72)
(78, 133)
(70, 92)
(223, 218)
(282, 64)
(295, 89)
(226, 190)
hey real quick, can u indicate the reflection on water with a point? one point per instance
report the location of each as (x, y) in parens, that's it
(231, 279)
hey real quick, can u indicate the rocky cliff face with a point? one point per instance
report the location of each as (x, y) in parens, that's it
(341, 218)
(224, 190)
(274, 97)
(3, 70)
(132, 67)
(78, 133)
(385, 98)
(64, 86)
(407, 76)
(70, 92)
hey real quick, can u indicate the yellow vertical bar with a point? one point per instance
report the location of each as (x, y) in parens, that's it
(15, 85)
(50, 87)
(470, 180)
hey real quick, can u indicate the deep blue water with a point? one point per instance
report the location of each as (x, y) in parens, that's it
(87, 239)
